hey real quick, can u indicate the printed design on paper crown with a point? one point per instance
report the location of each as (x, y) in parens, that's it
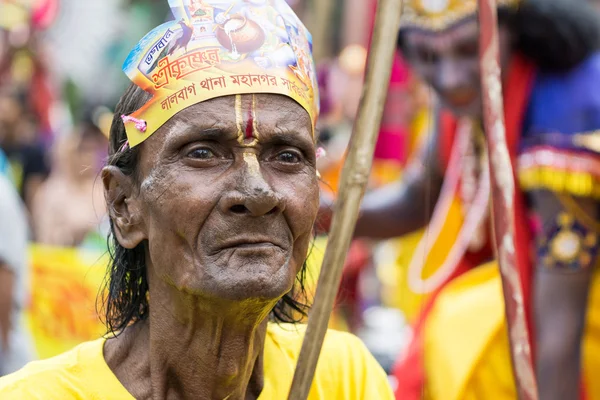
(217, 48)
(438, 15)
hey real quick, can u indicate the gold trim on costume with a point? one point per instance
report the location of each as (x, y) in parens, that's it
(561, 171)
(571, 247)
(566, 246)
(438, 15)
(581, 184)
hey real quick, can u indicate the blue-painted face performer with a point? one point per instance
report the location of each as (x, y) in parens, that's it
(551, 70)
(212, 193)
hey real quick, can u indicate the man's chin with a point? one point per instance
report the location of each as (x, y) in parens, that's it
(261, 287)
(248, 275)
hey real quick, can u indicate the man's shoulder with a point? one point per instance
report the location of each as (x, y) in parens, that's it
(292, 335)
(345, 365)
(340, 351)
(36, 380)
(59, 377)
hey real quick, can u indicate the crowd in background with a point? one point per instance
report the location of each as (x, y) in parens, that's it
(60, 77)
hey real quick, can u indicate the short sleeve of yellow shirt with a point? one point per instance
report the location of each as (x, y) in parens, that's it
(346, 371)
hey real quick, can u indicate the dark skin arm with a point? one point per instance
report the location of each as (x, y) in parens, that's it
(399, 208)
(560, 304)
(405, 206)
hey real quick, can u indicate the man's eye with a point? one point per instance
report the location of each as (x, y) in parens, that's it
(288, 157)
(201, 154)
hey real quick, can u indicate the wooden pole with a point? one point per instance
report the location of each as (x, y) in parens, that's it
(503, 198)
(322, 18)
(355, 175)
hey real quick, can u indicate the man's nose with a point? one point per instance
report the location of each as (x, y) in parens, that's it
(253, 196)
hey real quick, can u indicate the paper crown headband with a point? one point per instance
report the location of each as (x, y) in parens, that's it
(217, 48)
(437, 15)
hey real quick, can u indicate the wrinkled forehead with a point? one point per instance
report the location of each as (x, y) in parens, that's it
(239, 114)
(466, 31)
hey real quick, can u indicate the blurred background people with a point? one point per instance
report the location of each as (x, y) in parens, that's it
(459, 348)
(21, 142)
(16, 347)
(69, 205)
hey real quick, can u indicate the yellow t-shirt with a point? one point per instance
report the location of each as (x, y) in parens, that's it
(346, 371)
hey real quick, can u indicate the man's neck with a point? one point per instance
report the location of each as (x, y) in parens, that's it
(187, 350)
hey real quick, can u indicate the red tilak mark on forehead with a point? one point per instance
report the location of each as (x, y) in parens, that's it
(249, 125)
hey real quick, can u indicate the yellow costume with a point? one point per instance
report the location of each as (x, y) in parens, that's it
(477, 365)
(346, 371)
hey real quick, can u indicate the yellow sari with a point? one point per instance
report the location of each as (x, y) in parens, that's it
(467, 353)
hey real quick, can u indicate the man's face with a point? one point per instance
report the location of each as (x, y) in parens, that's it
(229, 194)
(449, 62)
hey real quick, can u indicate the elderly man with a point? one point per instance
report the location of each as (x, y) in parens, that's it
(212, 193)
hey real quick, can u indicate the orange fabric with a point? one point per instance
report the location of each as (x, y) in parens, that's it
(410, 370)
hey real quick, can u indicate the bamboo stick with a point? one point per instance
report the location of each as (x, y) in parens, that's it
(355, 175)
(321, 22)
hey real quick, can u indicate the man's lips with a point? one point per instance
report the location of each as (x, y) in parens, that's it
(255, 243)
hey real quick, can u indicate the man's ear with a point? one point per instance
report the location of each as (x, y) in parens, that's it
(123, 207)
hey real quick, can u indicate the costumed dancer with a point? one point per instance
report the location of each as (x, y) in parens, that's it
(212, 191)
(549, 56)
